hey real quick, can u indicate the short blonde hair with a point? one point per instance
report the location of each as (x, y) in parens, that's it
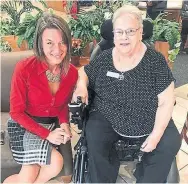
(128, 9)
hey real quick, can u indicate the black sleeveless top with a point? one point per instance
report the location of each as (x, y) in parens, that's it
(130, 105)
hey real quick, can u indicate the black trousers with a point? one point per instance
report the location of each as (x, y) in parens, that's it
(103, 160)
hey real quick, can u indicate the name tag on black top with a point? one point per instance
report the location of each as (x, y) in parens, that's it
(112, 74)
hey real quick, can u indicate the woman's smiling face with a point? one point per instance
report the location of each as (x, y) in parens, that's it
(53, 45)
(127, 33)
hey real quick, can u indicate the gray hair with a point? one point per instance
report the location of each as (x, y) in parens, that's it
(128, 9)
(52, 21)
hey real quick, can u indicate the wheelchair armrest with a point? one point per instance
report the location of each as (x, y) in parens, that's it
(96, 51)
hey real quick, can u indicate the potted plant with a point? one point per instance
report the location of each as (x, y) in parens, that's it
(8, 31)
(86, 26)
(26, 29)
(166, 38)
(14, 9)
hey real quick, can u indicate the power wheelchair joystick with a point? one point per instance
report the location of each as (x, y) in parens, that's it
(77, 111)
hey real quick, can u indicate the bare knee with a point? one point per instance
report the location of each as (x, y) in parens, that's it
(28, 173)
(49, 171)
(56, 162)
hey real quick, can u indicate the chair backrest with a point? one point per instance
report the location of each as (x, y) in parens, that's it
(8, 61)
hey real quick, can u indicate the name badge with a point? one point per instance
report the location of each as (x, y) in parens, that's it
(113, 74)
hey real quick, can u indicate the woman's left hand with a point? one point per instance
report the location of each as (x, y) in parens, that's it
(66, 128)
(150, 143)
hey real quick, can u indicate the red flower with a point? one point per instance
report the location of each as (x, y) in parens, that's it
(76, 42)
(64, 3)
(74, 10)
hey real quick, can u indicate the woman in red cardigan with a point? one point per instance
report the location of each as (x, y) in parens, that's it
(41, 89)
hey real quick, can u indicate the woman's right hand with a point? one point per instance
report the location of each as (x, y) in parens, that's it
(57, 136)
(81, 90)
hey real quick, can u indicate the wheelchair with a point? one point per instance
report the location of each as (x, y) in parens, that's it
(128, 150)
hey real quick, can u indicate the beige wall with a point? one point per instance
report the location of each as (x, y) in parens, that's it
(171, 4)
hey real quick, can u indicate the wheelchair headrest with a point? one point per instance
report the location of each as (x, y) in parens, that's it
(147, 29)
(106, 30)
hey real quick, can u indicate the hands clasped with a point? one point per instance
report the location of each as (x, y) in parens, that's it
(59, 136)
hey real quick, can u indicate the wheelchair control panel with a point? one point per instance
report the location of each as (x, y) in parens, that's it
(77, 112)
(129, 149)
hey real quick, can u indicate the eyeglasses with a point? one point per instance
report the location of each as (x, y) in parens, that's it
(128, 32)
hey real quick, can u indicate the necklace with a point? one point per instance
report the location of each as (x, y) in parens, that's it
(52, 77)
(121, 76)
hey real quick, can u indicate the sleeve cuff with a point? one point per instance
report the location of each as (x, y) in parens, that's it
(45, 134)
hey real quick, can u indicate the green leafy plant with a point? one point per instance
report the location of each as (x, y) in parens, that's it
(4, 46)
(7, 27)
(15, 8)
(26, 29)
(112, 6)
(172, 54)
(167, 31)
(86, 25)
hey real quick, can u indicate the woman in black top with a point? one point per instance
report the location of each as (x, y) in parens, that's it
(134, 97)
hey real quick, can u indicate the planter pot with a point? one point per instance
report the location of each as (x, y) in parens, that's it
(89, 48)
(75, 60)
(163, 48)
(84, 61)
(12, 40)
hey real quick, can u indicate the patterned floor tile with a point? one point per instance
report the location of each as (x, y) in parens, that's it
(182, 159)
(179, 114)
(184, 175)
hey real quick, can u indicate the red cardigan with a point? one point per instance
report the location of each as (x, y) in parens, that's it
(30, 94)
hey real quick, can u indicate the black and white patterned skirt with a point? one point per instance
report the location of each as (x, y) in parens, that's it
(28, 148)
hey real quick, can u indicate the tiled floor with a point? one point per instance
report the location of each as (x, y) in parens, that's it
(179, 115)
